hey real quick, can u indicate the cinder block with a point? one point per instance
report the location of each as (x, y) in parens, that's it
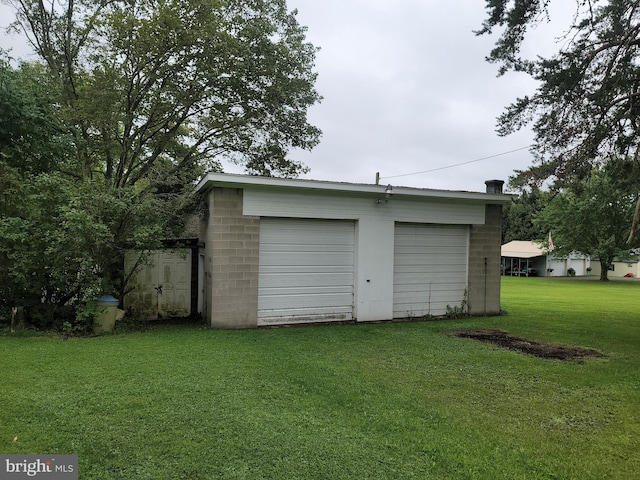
(484, 280)
(232, 245)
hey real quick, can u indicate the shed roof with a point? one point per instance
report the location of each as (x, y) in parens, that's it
(242, 181)
(521, 249)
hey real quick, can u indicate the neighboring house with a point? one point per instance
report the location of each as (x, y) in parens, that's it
(282, 251)
(619, 269)
(528, 259)
(522, 258)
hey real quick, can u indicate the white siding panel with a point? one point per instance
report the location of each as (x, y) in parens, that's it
(306, 270)
(268, 203)
(430, 268)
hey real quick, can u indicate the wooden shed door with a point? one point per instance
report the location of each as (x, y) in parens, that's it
(162, 288)
(306, 270)
(430, 268)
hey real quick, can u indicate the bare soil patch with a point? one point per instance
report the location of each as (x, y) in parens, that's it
(530, 347)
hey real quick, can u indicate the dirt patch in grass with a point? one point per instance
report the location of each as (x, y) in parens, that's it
(530, 347)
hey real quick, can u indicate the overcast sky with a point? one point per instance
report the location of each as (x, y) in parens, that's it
(406, 89)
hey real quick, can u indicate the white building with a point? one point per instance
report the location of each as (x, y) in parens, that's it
(528, 258)
(277, 251)
(282, 251)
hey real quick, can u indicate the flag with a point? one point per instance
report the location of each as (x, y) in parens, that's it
(551, 247)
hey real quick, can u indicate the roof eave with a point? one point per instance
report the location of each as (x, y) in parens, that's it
(242, 181)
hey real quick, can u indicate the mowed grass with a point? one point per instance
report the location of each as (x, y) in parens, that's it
(388, 401)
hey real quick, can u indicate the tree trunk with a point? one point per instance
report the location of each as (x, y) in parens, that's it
(636, 222)
(604, 270)
(17, 318)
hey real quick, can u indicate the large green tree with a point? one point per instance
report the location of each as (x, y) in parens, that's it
(60, 233)
(33, 138)
(587, 104)
(593, 215)
(160, 89)
(518, 216)
(145, 96)
(35, 201)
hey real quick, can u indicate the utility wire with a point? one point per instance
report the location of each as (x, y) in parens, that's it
(458, 164)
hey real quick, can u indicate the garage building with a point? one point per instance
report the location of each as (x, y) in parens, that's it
(286, 251)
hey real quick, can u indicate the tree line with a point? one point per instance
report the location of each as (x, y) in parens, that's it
(585, 116)
(127, 104)
(592, 215)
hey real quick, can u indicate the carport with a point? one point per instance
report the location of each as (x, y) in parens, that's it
(522, 259)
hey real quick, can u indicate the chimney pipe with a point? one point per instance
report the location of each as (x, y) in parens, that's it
(494, 186)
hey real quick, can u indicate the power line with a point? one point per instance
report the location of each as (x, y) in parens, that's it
(458, 164)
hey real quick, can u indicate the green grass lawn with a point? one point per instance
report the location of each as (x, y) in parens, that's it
(388, 401)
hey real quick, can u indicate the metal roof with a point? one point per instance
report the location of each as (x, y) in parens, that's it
(521, 249)
(242, 181)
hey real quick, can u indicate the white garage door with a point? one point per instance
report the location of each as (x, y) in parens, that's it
(430, 268)
(306, 270)
(578, 264)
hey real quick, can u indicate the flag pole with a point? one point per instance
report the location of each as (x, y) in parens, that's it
(550, 248)
(548, 272)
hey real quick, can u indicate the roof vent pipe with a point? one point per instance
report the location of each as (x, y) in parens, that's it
(494, 186)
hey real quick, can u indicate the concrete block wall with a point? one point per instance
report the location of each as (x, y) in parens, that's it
(231, 261)
(484, 263)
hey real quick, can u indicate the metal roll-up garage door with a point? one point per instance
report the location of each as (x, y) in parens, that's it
(430, 268)
(306, 270)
